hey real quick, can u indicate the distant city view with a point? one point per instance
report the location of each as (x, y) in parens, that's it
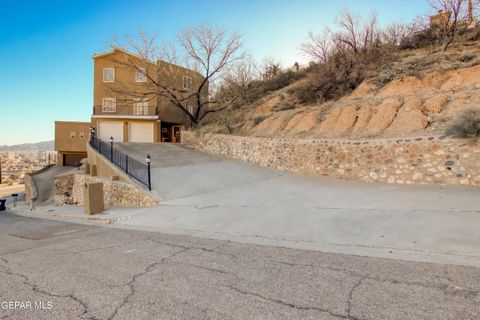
(15, 164)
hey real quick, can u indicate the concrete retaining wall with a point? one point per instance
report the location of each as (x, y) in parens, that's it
(423, 160)
(31, 192)
(106, 169)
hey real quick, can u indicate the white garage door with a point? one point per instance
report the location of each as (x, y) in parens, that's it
(140, 132)
(110, 129)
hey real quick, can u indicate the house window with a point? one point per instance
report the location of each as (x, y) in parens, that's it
(140, 107)
(82, 135)
(187, 82)
(72, 135)
(190, 109)
(141, 75)
(108, 74)
(109, 105)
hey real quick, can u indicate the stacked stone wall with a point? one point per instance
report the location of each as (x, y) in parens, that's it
(421, 160)
(69, 187)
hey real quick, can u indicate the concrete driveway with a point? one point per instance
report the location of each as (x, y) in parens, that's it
(44, 183)
(214, 197)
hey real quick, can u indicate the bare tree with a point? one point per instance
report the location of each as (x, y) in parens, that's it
(241, 73)
(355, 32)
(236, 82)
(395, 33)
(457, 16)
(370, 32)
(270, 68)
(318, 45)
(349, 33)
(207, 50)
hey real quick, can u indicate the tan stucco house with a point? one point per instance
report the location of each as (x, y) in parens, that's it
(126, 106)
(71, 142)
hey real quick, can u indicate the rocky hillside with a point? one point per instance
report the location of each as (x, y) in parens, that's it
(417, 95)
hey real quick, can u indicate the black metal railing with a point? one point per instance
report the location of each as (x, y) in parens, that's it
(132, 167)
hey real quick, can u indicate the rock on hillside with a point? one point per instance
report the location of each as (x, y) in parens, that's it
(407, 106)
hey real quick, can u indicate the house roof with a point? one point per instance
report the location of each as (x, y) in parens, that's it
(115, 49)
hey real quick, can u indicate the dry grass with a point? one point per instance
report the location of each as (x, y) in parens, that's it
(466, 124)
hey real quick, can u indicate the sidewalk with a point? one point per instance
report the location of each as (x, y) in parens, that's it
(66, 213)
(225, 199)
(427, 224)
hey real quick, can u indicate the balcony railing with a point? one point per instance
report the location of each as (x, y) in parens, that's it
(130, 110)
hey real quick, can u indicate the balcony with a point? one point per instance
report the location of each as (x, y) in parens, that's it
(130, 110)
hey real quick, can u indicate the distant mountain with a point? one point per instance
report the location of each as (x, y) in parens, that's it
(40, 146)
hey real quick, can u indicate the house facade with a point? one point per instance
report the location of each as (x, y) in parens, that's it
(71, 142)
(127, 105)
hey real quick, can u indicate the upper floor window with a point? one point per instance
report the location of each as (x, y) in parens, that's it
(140, 107)
(141, 75)
(72, 134)
(109, 105)
(187, 82)
(108, 74)
(82, 135)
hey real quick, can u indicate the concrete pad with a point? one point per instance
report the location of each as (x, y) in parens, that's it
(44, 183)
(214, 197)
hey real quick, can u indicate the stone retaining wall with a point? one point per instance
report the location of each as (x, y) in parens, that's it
(68, 189)
(423, 160)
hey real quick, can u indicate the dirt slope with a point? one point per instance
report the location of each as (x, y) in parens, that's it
(409, 105)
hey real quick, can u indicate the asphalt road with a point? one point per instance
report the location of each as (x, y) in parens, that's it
(91, 272)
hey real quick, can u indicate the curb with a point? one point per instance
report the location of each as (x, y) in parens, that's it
(59, 216)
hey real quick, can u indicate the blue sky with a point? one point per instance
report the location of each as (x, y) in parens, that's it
(46, 70)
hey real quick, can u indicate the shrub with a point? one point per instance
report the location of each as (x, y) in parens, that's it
(283, 107)
(258, 119)
(341, 74)
(421, 39)
(466, 125)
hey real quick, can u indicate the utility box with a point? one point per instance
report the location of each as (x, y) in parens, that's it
(93, 198)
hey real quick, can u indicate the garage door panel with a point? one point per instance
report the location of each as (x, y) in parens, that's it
(140, 132)
(110, 129)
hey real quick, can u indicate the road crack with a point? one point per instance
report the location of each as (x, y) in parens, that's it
(131, 283)
(350, 296)
(292, 305)
(213, 250)
(209, 269)
(448, 289)
(35, 288)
